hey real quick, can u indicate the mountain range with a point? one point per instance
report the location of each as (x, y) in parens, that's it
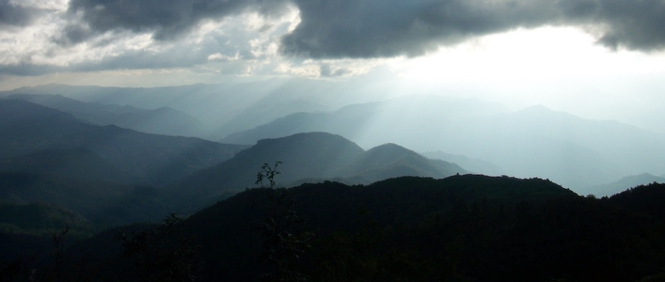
(222, 108)
(533, 142)
(105, 173)
(84, 179)
(306, 157)
(163, 120)
(609, 189)
(27, 129)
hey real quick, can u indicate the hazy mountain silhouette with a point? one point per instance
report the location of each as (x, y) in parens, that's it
(609, 189)
(164, 120)
(27, 128)
(391, 160)
(307, 157)
(630, 149)
(223, 108)
(533, 142)
(371, 124)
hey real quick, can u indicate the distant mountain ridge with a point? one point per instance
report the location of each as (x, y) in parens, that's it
(27, 128)
(304, 157)
(609, 189)
(532, 142)
(164, 120)
(223, 108)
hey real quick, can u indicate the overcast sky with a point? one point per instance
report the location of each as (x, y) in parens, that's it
(592, 57)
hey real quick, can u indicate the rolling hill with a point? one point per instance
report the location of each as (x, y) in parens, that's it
(306, 157)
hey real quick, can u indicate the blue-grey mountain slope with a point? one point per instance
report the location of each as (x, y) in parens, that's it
(533, 142)
(306, 157)
(223, 108)
(27, 129)
(609, 189)
(163, 120)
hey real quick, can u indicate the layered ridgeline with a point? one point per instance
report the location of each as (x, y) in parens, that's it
(102, 173)
(112, 175)
(30, 133)
(223, 108)
(533, 142)
(461, 228)
(306, 157)
(609, 189)
(163, 120)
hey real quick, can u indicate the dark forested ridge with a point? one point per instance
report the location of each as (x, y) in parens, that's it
(104, 204)
(461, 228)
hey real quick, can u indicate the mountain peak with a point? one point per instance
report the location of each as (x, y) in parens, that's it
(391, 149)
(536, 109)
(306, 137)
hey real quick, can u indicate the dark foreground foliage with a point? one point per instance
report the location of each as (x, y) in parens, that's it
(462, 228)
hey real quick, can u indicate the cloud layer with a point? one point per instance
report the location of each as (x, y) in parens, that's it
(13, 14)
(166, 20)
(366, 28)
(116, 34)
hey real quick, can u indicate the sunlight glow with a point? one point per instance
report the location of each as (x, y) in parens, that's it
(538, 54)
(561, 68)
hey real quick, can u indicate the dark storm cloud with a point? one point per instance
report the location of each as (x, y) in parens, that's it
(164, 19)
(379, 28)
(15, 15)
(636, 25)
(371, 28)
(327, 28)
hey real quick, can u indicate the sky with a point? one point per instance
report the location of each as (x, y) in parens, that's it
(602, 59)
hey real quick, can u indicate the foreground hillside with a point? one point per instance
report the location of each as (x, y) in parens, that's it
(461, 228)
